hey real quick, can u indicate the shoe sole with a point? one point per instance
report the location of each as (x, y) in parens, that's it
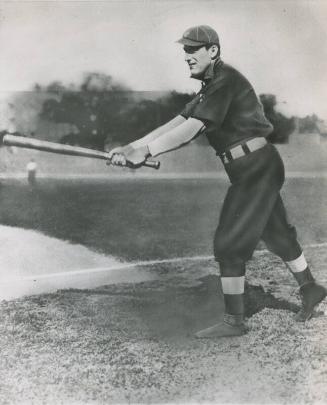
(312, 311)
(218, 337)
(241, 333)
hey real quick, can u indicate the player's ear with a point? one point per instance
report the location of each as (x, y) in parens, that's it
(213, 51)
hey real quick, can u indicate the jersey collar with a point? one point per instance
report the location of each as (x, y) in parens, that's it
(211, 71)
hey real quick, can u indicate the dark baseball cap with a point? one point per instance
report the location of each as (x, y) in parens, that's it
(199, 35)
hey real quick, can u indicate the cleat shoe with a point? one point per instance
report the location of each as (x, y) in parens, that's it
(222, 329)
(311, 295)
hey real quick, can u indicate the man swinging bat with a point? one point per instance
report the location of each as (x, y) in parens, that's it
(229, 113)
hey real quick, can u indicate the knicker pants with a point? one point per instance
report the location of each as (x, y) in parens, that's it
(253, 209)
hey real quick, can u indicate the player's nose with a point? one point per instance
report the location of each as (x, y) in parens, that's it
(187, 57)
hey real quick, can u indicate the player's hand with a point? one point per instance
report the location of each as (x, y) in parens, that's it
(116, 156)
(136, 157)
(128, 156)
(119, 150)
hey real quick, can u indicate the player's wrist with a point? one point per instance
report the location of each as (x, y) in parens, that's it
(147, 151)
(144, 150)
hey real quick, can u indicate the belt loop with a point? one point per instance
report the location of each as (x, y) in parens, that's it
(246, 148)
(229, 155)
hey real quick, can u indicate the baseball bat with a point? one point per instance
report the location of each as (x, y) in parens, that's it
(53, 147)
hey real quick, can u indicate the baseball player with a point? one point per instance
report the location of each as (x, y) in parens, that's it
(31, 169)
(228, 112)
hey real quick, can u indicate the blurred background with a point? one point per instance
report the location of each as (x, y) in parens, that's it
(101, 74)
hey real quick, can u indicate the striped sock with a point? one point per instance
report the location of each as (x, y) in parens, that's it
(300, 270)
(233, 289)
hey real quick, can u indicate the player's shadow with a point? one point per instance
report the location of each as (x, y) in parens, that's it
(180, 311)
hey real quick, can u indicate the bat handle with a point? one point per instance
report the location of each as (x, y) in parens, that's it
(152, 163)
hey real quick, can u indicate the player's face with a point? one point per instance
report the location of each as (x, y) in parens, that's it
(198, 60)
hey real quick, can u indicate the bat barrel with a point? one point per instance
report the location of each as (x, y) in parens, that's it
(30, 143)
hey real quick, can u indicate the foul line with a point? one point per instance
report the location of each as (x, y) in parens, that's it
(104, 269)
(131, 265)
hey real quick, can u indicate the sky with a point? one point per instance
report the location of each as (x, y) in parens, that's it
(280, 46)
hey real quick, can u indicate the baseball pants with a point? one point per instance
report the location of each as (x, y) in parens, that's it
(253, 209)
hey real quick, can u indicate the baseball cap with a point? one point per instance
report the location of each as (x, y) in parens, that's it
(199, 35)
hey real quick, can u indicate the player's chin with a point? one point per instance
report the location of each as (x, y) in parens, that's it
(196, 75)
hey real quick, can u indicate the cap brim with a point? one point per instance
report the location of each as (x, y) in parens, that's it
(189, 42)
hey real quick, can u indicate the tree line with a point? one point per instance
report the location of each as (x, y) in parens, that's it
(101, 111)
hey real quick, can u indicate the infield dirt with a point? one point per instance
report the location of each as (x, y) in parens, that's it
(133, 342)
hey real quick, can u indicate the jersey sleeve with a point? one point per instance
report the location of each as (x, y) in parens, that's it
(189, 107)
(213, 106)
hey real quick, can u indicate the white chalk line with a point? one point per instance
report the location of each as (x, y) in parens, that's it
(105, 269)
(121, 266)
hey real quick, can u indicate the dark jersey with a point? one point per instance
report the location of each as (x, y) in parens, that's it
(229, 108)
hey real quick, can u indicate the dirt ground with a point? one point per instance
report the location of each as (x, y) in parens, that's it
(133, 343)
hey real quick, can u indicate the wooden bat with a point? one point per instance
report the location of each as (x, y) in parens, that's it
(53, 147)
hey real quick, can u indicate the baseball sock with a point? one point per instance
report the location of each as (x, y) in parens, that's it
(300, 270)
(233, 289)
(233, 325)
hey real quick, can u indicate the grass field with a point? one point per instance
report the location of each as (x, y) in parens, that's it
(133, 342)
(138, 219)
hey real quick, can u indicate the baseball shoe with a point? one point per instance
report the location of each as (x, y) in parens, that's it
(221, 329)
(311, 295)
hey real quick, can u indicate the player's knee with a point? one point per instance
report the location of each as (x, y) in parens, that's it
(232, 268)
(220, 247)
(284, 246)
(229, 256)
(225, 250)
